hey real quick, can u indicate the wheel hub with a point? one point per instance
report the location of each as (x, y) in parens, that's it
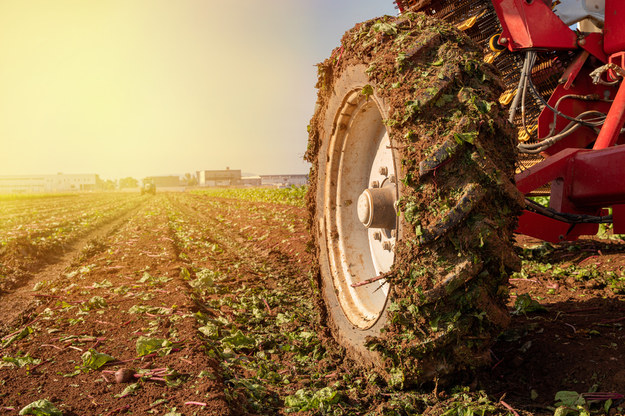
(376, 207)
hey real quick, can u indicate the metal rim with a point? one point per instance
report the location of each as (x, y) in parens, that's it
(359, 208)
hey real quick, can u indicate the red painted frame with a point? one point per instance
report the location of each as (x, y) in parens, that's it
(583, 181)
(532, 24)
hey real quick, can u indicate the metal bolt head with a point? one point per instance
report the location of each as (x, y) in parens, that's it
(503, 41)
(387, 245)
(377, 236)
(383, 170)
(375, 184)
(393, 233)
(392, 179)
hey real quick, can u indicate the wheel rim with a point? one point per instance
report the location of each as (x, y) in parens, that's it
(359, 209)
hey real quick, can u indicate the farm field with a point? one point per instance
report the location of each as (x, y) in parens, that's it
(205, 303)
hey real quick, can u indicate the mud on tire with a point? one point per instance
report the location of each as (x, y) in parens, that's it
(454, 156)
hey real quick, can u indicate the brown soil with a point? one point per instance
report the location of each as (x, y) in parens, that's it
(576, 343)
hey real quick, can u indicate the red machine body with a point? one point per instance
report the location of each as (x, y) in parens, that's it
(586, 169)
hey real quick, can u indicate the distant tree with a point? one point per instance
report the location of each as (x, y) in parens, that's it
(105, 185)
(128, 182)
(190, 179)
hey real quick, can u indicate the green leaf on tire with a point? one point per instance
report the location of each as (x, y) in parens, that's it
(468, 137)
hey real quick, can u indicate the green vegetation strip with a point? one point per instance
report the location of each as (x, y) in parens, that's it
(15, 197)
(289, 196)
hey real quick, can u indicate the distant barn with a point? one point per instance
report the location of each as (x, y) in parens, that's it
(284, 180)
(170, 181)
(226, 177)
(16, 184)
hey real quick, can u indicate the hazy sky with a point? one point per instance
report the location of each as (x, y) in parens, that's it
(149, 87)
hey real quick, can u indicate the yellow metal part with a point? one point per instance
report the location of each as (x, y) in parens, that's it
(507, 97)
(523, 134)
(470, 22)
(493, 43)
(489, 58)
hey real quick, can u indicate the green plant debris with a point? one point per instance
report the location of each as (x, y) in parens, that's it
(153, 280)
(367, 90)
(129, 390)
(154, 310)
(238, 341)
(146, 345)
(468, 137)
(524, 304)
(19, 361)
(305, 400)
(94, 360)
(570, 402)
(41, 407)
(20, 335)
(96, 302)
(386, 28)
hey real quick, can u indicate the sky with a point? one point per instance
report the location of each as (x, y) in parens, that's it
(155, 87)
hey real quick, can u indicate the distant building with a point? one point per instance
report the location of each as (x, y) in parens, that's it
(251, 181)
(227, 177)
(284, 180)
(170, 181)
(15, 184)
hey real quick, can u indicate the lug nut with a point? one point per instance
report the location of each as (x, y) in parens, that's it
(392, 179)
(383, 170)
(377, 236)
(387, 245)
(375, 184)
(393, 234)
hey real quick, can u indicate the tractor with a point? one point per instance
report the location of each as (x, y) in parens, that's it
(149, 187)
(433, 136)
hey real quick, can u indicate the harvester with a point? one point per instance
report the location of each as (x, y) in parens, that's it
(434, 135)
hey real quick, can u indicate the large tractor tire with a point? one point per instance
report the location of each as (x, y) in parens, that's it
(411, 199)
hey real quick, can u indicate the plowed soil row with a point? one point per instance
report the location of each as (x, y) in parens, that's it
(211, 304)
(134, 282)
(27, 246)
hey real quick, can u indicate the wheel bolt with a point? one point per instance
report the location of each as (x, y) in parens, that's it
(387, 245)
(383, 170)
(377, 236)
(392, 179)
(393, 233)
(375, 184)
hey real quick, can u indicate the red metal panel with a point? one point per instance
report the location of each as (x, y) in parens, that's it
(544, 172)
(582, 229)
(532, 24)
(551, 230)
(593, 43)
(598, 178)
(614, 29)
(539, 226)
